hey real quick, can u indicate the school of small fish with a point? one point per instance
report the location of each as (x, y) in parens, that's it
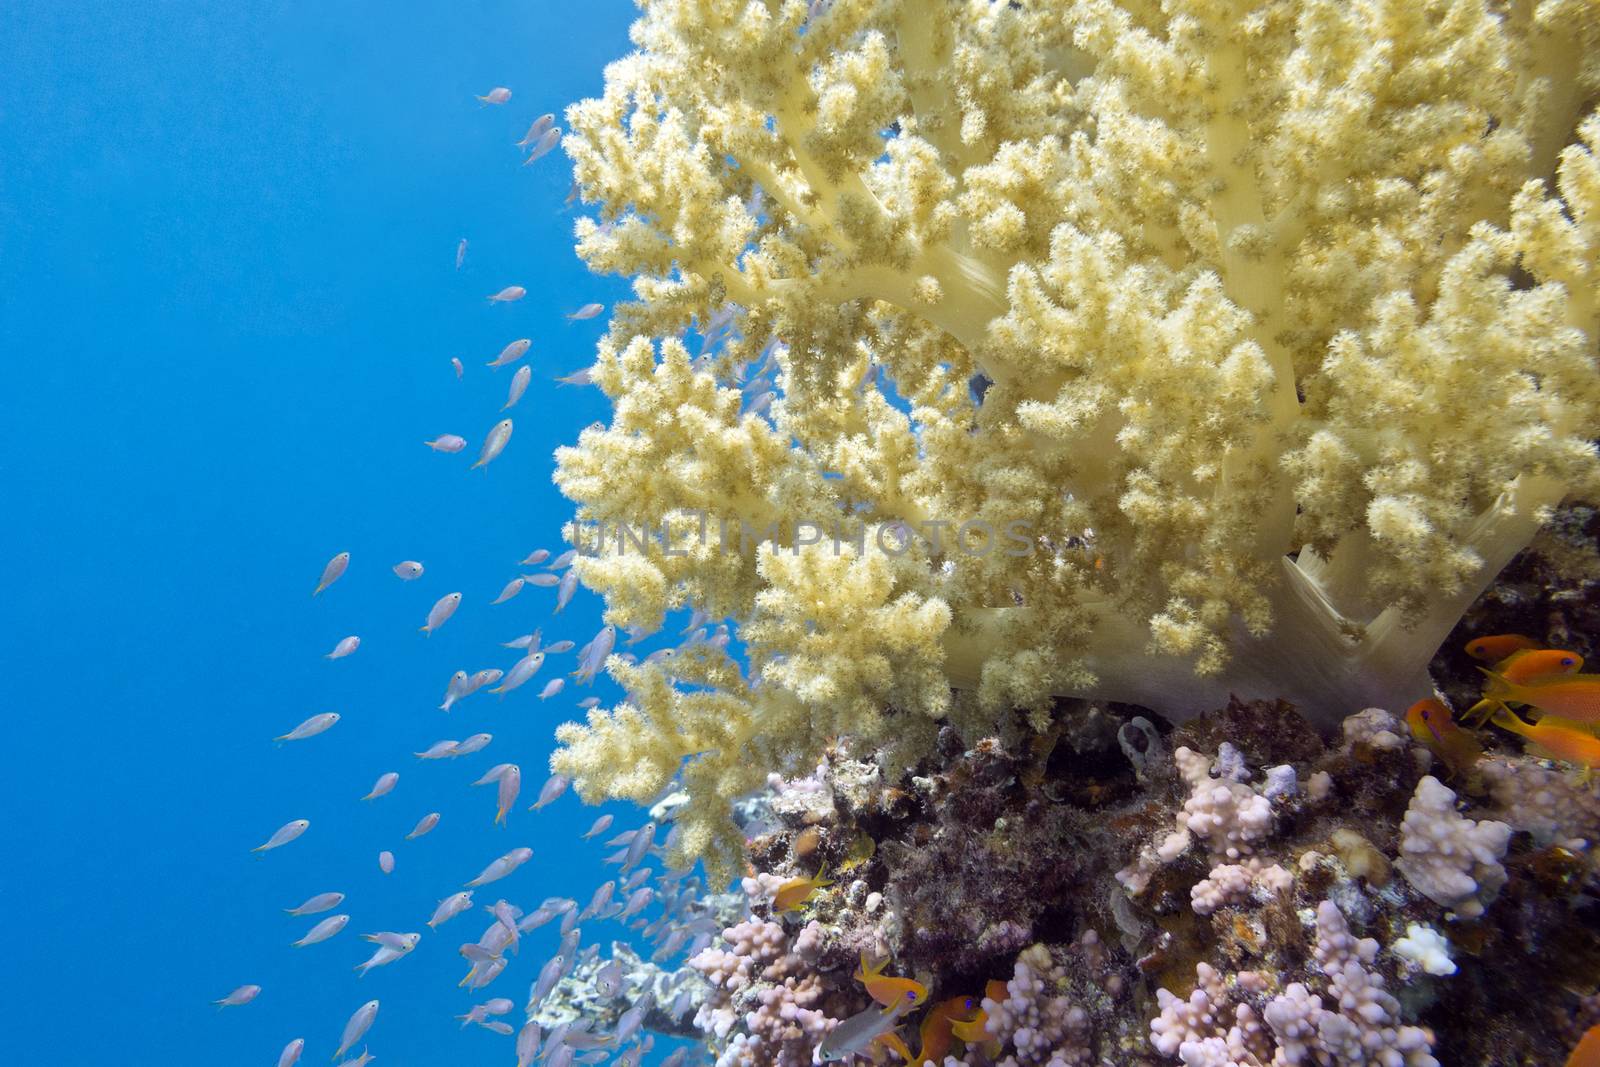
(675, 929)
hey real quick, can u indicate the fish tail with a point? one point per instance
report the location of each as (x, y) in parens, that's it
(1500, 686)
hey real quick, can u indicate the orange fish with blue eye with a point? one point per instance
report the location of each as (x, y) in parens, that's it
(796, 891)
(938, 1028)
(1568, 696)
(1497, 647)
(974, 1030)
(886, 989)
(1528, 667)
(1556, 738)
(1431, 724)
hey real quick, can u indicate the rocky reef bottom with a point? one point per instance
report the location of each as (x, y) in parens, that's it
(1238, 891)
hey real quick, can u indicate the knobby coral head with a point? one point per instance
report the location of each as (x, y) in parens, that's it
(1282, 320)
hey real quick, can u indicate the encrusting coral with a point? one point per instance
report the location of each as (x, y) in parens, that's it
(1000, 879)
(1278, 320)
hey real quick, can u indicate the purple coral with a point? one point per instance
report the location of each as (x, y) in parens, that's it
(762, 982)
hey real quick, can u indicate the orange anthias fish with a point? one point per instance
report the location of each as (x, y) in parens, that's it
(1431, 724)
(892, 1041)
(1528, 667)
(888, 990)
(1496, 648)
(796, 891)
(1571, 696)
(1562, 739)
(938, 1028)
(1587, 1052)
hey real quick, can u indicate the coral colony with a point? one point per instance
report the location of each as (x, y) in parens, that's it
(1146, 430)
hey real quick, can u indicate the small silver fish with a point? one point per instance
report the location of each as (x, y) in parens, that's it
(552, 789)
(284, 834)
(330, 574)
(441, 611)
(548, 140)
(311, 727)
(537, 130)
(320, 902)
(360, 1022)
(502, 867)
(511, 352)
(450, 907)
(461, 253)
(588, 311)
(519, 385)
(323, 930)
(509, 294)
(386, 861)
(408, 570)
(601, 825)
(475, 743)
(853, 1036)
(384, 784)
(512, 588)
(494, 444)
(498, 95)
(243, 995)
(447, 442)
(344, 647)
(438, 750)
(424, 824)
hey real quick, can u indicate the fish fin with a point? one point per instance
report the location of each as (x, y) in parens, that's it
(1500, 686)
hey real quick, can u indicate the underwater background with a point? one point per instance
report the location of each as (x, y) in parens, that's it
(1274, 745)
(228, 303)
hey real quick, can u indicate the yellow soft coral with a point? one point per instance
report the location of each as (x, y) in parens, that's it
(1282, 316)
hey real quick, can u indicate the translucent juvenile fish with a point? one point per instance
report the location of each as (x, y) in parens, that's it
(383, 786)
(360, 1061)
(547, 140)
(386, 861)
(438, 750)
(475, 743)
(588, 311)
(447, 442)
(519, 385)
(502, 867)
(528, 1043)
(563, 561)
(508, 294)
(638, 900)
(482, 678)
(408, 570)
(595, 658)
(578, 377)
(460, 370)
(493, 774)
(601, 825)
(510, 786)
(549, 975)
(441, 611)
(311, 727)
(558, 647)
(323, 930)
(450, 907)
(330, 574)
(589, 702)
(536, 557)
(552, 687)
(511, 352)
(359, 1024)
(512, 588)
(458, 687)
(284, 834)
(243, 995)
(853, 1036)
(552, 789)
(291, 1052)
(494, 444)
(387, 953)
(507, 916)
(525, 668)
(537, 130)
(498, 95)
(484, 973)
(639, 845)
(344, 647)
(461, 253)
(424, 824)
(526, 641)
(318, 903)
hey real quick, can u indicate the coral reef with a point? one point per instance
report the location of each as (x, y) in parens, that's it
(1211, 909)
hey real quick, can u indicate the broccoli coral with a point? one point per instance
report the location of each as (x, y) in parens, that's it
(1279, 321)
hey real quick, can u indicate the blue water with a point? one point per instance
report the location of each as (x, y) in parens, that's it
(227, 307)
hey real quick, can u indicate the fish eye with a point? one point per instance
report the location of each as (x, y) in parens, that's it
(1424, 714)
(1566, 661)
